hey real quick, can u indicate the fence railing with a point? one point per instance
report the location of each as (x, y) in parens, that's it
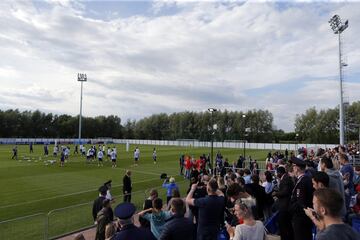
(27, 227)
(64, 221)
(183, 143)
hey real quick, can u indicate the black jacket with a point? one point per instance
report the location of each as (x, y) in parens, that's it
(301, 196)
(178, 228)
(127, 184)
(97, 206)
(284, 194)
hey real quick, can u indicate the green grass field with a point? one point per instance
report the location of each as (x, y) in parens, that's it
(34, 188)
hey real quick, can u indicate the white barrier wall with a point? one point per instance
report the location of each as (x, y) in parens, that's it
(184, 143)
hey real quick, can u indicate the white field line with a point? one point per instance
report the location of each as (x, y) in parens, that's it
(66, 195)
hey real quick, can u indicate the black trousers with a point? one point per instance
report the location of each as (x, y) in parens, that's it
(285, 226)
(127, 197)
(302, 227)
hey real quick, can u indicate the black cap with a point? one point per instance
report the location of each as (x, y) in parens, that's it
(297, 162)
(163, 176)
(108, 182)
(103, 189)
(124, 210)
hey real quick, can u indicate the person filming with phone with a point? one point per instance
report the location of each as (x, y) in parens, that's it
(327, 217)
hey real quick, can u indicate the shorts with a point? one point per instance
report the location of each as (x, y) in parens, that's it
(100, 159)
(113, 160)
(136, 159)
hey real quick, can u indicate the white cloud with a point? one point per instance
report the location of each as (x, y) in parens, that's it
(205, 54)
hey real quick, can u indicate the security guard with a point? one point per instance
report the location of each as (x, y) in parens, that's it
(301, 198)
(128, 231)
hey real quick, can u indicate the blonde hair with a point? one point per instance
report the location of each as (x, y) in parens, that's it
(109, 230)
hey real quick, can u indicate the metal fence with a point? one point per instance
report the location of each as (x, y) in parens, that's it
(27, 227)
(182, 142)
(64, 221)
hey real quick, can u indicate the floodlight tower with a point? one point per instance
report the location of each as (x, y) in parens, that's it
(338, 27)
(81, 78)
(212, 110)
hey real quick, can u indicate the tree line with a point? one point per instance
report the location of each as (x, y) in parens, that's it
(322, 126)
(313, 126)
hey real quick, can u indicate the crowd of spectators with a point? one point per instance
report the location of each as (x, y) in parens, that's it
(302, 195)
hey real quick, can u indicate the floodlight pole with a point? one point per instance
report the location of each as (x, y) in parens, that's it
(244, 147)
(338, 28)
(212, 110)
(81, 78)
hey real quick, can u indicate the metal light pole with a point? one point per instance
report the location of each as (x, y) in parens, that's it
(212, 110)
(244, 118)
(338, 27)
(81, 78)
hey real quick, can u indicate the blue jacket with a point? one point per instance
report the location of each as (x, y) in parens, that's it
(169, 188)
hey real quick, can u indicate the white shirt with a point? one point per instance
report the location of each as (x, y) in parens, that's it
(113, 155)
(100, 154)
(246, 232)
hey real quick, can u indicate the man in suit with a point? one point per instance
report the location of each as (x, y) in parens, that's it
(301, 198)
(128, 231)
(283, 196)
(98, 203)
(127, 186)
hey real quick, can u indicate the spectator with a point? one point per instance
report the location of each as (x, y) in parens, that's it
(301, 198)
(355, 210)
(327, 209)
(178, 227)
(127, 186)
(356, 176)
(247, 176)
(110, 231)
(283, 196)
(258, 192)
(347, 172)
(148, 204)
(103, 218)
(170, 186)
(320, 180)
(157, 218)
(335, 179)
(98, 203)
(211, 210)
(200, 192)
(128, 231)
(251, 229)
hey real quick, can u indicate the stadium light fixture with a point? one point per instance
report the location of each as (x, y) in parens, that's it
(338, 27)
(82, 77)
(212, 110)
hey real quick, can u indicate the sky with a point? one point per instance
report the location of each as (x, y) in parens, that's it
(148, 57)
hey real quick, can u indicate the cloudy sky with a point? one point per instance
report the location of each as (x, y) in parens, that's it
(150, 57)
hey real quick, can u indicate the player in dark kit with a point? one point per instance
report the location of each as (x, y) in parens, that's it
(31, 147)
(14, 153)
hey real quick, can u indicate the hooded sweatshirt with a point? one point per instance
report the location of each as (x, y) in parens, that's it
(336, 182)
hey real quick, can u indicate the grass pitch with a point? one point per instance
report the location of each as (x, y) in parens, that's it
(32, 186)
